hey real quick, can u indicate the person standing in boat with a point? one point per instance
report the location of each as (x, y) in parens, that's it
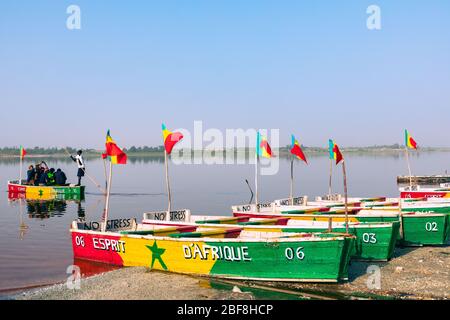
(81, 167)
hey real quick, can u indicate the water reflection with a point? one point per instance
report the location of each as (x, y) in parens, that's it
(45, 207)
(90, 268)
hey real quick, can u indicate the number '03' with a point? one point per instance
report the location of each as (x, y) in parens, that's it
(291, 254)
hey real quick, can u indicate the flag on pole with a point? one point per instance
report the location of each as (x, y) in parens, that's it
(297, 150)
(262, 146)
(337, 154)
(331, 149)
(170, 138)
(23, 152)
(409, 141)
(113, 152)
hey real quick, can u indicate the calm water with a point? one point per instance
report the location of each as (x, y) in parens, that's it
(35, 245)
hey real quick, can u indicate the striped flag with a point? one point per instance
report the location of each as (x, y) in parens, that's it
(262, 146)
(335, 153)
(297, 150)
(170, 139)
(409, 141)
(23, 152)
(113, 152)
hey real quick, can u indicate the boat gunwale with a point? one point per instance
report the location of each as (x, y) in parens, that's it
(206, 239)
(362, 225)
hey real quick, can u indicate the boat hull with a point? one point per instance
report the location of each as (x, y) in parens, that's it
(46, 191)
(424, 194)
(417, 229)
(374, 242)
(324, 260)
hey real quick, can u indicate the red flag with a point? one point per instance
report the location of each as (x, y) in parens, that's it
(297, 150)
(116, 155)
(170, 139)
(338, 154)
(23, 152)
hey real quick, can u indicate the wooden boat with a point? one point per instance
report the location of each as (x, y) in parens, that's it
(383, 203)
(209, 252)
(416, 228)
(46, 196)
(15, 187)
(374, 241)
(424, 180)
(424, 192)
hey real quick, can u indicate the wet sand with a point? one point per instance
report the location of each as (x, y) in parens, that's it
(414, 273)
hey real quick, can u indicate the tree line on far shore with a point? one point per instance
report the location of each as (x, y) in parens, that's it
(146, 150)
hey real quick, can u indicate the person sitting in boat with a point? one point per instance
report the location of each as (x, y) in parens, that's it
(31, 173)
(81, 167)
(37, 174)
(60, 177)
(51, 181)
(43, 178)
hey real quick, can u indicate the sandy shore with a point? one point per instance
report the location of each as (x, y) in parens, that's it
(414, 273)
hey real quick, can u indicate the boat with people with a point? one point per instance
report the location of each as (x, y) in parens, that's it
(374, 241)
(216, 252)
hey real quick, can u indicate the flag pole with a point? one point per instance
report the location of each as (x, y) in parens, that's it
(292, 182)
(169, 209)
(21, 167)
(331, 175)
(345, 195)
(106, 174)
(256, 181)
(108, 195)
(409, 166)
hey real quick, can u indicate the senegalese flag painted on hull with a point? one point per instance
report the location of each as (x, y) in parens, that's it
(297, 151)
(322, 259)
(409, 141)
(113, 152)
(23, 152)
(170, 138)
(262, 146)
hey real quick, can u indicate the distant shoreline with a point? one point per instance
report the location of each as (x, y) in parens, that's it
(282, 152)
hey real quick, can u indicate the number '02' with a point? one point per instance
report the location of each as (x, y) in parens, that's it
(431, 227)
(291, 253)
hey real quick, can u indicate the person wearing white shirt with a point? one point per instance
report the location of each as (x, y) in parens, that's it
(81, 166)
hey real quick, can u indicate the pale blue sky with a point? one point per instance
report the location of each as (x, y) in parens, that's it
(311, 68)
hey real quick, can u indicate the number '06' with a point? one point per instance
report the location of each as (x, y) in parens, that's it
(291, 254)
(79, 241)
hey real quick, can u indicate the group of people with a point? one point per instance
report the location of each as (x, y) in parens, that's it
(42, 175)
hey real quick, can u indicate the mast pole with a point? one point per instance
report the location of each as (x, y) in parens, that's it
(292, 182)
(108, 195)
(169, 195)
(409, 166)
(330, 181)
(346, 196)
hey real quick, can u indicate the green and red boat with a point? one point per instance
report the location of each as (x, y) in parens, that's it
(14, 187)
(374, 241)
(222, 253)
(416, 228)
